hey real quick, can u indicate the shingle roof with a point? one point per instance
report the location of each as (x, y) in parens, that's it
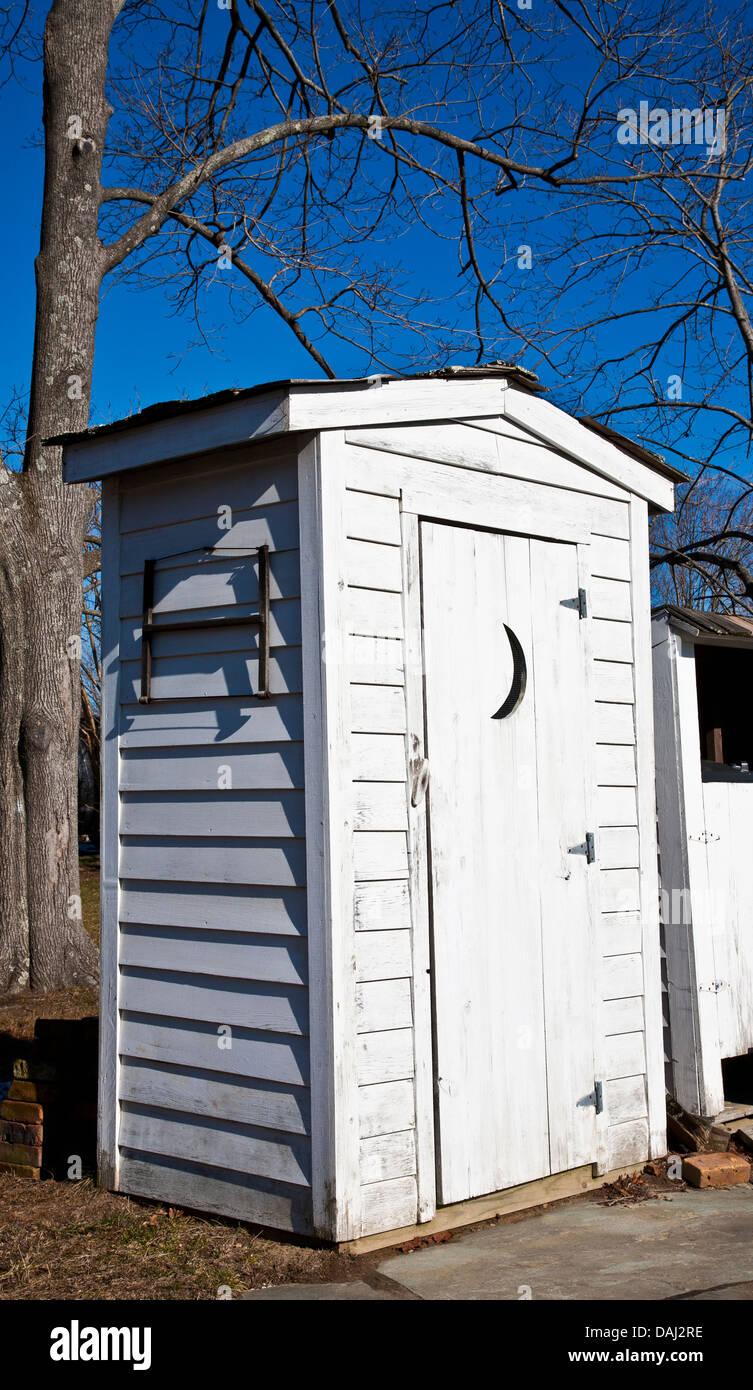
(731, 625)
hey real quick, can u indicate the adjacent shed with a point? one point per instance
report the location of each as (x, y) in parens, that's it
(703, 676)
(380, 926)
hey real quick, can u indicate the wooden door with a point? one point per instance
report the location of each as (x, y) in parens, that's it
(512, 951)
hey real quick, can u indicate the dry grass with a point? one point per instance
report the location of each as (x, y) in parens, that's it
(69, 1240)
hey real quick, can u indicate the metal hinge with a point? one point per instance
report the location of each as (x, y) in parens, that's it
(588, 847)
(582, 603)
(596, 1097)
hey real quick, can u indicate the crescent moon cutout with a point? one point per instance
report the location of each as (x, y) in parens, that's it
(519, 677)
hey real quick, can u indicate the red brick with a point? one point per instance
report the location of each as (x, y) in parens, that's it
(17, 1132)
(21, 1171)
(40, 1091)
(26, 1154)
(22, 1110)
(715, 1170)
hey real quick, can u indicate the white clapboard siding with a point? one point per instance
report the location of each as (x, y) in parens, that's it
(612, 640)
(203, 676)
(620, 933)
(196, 723)
(382, 905)
(379, 854)
(375, 660)
(628, 1143)
(222, 1002)
(285, 1206)
(625, 1099)
(262, 1104)
(613, 681)
(279, 863)
(374, 566)
(383, 955)
(369, 517)
(228, 955)
(622, 976)
(379, 806)
(615, 765)
(618, 848)
(388, 1156)
(372, 613)
(231, 814)
(220, 1143)
(613, 723)
(619, 890)
(610, 559)
(378, 757)
(610, 598)
(382, 1005)
(623, 1016)
(272, 766)
(176, 1042)
(625, 1055)
(386, 1056)
(616, 806)
(388, 1205)
(377, 709)
(214, 482)
(221, 907)
(386, 1108)
(273, 525)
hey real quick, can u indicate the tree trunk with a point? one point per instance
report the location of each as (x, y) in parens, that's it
(42, 940)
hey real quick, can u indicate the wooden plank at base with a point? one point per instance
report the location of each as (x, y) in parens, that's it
(525, 1197)
(198, 1188)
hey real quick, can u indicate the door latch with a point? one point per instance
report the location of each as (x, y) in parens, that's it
(420, 780)
(588, 847)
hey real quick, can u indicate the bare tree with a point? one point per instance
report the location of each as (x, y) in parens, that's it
(283, 151)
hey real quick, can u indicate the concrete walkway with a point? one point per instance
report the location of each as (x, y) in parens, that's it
(690, 1245)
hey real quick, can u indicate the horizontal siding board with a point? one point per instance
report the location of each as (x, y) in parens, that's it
(615, 765)
(375, 660)
(274, 863)
(624, 1055)
(263, 1105)
(284, 630)
(625, 1099)
(197, 579)
(230, 955)
(378, 757)
(616, 806)
(388, 1205)
(223, 908)
(369, 517)
(610, 598)
(273, 525)
(246, 1053)
(379, 806)
(614, 723)
(379, 855)
(371, 613)
(385, 1109)
(612, 641)
(619, 890)
(627, 1143)
(620, 933)
(383, 1005)
(377, 709)
(221, 1143)
(610, 559)
(215, 722)
(269, 767)
(229, 814)
(623, 1016)
(199, 676)
(252, 1005)
(622, 976)
(618, 848)
(237, 479)
(610, 518)
(386, 1056)
(613, 680)
(255, 1200)
(387, 1156)
(382, 905)
(370, 565)
(383, 955)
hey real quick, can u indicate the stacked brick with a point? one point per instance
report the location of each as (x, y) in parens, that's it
(48, 1119)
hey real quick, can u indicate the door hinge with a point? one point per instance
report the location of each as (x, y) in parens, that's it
(582, 603)
(596, 1098)
(588, 847)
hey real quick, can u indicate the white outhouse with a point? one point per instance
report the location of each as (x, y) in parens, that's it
(380, 910)
(703, 677)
